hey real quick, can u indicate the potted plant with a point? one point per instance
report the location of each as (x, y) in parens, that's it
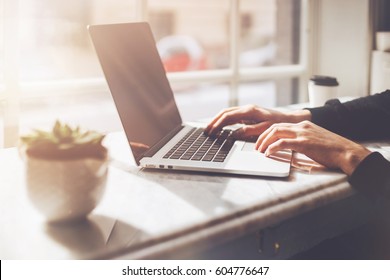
(66, 171)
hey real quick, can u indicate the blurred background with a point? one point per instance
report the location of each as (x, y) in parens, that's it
(216, 53)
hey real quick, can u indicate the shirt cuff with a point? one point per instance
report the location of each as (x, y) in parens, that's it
(326, 116)
(372, 175)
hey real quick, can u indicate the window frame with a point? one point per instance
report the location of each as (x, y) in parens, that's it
(10, 91)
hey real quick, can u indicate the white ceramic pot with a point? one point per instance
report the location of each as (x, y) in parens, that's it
(65, 190)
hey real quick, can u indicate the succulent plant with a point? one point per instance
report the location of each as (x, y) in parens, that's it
(63, 142)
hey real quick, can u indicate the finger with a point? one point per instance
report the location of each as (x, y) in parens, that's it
(217, 117)
(248, 131)
(269, 130)
(279, 145)
(273, 134)
(263, 136)
(229, 118)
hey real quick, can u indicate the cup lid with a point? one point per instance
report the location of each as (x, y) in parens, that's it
(324, 80)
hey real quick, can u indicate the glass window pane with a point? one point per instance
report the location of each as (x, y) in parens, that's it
(54, 43)
(1, 74)
(269, 32)
(1, 44)
(1, 124)
(200, 101)
(94, 111)
(270, 93)
(259, 93)
(191, 35)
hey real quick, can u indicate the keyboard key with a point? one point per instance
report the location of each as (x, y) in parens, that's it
(186, 157)
(175, 156)
(207, 158)
(197, 157)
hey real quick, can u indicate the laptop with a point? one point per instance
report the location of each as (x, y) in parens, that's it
(151, 120)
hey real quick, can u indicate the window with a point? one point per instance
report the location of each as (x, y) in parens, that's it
(216, 54)
(196, 36)
(54, 42)
(2, 91)
(1, 48)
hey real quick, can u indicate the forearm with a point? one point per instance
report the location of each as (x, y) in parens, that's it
(298, 116)
(364, 118)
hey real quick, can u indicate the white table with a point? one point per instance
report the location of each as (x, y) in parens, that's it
(163, 214)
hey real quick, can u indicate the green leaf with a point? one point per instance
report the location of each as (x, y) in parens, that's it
(64, 141)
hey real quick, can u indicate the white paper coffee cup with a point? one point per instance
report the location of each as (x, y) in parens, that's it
(383, 41)
(321, 89)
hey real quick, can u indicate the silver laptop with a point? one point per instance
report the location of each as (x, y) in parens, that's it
(151, 119)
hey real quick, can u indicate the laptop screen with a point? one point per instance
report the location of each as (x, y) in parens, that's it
(138, 83)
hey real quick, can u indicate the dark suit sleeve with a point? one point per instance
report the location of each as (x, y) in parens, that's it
(366, 118)
(372, 176)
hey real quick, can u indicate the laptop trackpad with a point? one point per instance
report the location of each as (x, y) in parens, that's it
(284, 155)
(248, 147)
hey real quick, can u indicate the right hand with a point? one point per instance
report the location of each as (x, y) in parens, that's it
(256, 120)
(319, 144)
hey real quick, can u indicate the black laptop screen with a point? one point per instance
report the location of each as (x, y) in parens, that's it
(138, 83)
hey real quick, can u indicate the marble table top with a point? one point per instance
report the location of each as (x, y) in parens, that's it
(148, 214)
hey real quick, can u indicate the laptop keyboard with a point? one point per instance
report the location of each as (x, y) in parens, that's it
(197, 146)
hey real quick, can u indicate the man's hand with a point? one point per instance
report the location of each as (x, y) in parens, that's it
(321, 145)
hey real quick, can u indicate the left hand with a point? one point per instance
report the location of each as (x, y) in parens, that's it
(321, 145)
(255, 119)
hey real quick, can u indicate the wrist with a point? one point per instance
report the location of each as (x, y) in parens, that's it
(352, 158)
(299, 116)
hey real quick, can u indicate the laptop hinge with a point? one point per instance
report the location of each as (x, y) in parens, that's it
(153, 150)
